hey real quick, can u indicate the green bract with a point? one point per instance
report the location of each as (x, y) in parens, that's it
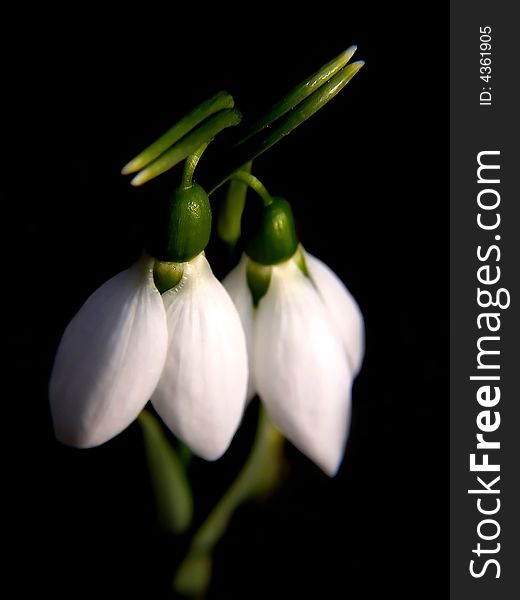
(274, 239)
(181, 227)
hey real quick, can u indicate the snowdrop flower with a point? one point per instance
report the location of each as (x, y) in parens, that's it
(185, 349)
(305, 337)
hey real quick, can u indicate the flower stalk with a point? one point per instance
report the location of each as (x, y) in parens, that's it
(255, 184)
(229, 224)
(258, 477)
(190, 165)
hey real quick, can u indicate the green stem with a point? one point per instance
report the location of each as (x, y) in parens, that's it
(190, 165)
(254, 183)
(229, 223)
(251, 479)
(258, 476)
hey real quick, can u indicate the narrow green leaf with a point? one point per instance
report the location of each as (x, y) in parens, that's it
(188, 145)
(220, 101)
(170, 484)
(310, 105)
(302, 91)
(252, 147)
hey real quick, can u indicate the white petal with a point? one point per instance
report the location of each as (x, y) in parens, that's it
(342, 309)
(110, 359)
(301, 370)
(202, 391)
(236, 285)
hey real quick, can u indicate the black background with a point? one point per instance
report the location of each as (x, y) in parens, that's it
(367, 178)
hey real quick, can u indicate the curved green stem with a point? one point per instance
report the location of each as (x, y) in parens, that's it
(254, 183)
(190, 165)
(255, 476)
(258, 476)
(229, 223)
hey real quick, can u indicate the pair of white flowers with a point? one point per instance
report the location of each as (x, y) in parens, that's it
(202, 349)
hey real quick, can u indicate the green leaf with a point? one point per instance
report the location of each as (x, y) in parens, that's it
(310, 106)
(188, 145)
(252, 146)
(172, 491)
(302, 91)
(219, 102)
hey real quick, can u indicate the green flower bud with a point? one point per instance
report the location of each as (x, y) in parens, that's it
(181, 226)
(274, 238)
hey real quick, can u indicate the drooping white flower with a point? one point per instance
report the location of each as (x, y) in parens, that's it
(305, 343)
(110, 359)
(202, 390)
(127, 343)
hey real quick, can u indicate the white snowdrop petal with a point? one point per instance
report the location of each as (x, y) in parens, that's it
(342, 309)
(110, 359)
(301, 371)
(236, 285)
(202, 391)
